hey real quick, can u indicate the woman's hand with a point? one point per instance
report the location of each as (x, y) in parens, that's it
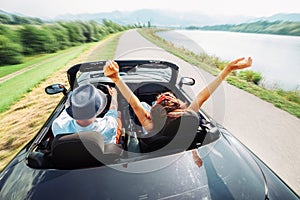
(111, 70)
(240, 63)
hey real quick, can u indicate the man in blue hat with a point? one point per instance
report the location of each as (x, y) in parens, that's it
(85, 104)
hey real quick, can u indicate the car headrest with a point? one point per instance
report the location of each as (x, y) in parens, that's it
(188, 122)
(181, 131)
(77, 150)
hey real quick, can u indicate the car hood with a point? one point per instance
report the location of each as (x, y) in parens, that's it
(228, 172)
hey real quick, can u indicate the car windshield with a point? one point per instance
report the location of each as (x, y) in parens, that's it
(130, 72)
(151, 72)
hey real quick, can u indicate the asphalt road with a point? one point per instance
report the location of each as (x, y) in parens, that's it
(272, 134)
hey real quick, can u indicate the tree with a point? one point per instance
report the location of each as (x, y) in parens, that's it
(10, 53)
(10, 33)
(61, 35)
(19, 20)
(112, 27)
(88, 31)
(37, 40)
(75, 32)
(96, 30)
(4, 19)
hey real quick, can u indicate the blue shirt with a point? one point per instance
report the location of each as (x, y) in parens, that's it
(106, 126)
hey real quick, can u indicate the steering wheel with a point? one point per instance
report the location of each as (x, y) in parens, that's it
(104, 89)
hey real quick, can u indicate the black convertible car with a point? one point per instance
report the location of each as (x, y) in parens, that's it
(195, 158)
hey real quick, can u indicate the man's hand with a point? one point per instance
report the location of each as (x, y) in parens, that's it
(112, 91)
(111, 70)
(114, 100)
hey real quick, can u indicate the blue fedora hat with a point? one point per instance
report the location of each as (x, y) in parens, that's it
(86, 102)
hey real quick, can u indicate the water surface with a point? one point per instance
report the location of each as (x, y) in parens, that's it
(276, 57)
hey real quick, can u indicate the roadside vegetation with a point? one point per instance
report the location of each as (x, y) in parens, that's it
(247, 80)
(276, 27)
(17, 42)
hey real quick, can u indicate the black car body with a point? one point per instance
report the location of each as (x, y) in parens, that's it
(229, 170)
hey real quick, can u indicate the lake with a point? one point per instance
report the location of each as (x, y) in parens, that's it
(276, 57)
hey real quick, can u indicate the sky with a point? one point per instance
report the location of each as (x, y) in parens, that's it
(52, 8)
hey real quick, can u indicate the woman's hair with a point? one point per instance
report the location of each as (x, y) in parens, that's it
(166, 102)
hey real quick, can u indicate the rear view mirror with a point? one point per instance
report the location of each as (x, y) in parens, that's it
(55, 89)
(186, 81)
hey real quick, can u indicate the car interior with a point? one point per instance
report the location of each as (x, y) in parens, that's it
(76, 151)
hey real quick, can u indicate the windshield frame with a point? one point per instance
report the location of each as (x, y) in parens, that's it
(131, 66)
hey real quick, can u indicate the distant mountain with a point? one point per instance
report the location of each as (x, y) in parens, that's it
(292, 17)
(166, 18)
(2, 12)
(157, 18)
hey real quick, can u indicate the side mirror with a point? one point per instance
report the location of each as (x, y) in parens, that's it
(186, 81)
(55, 89)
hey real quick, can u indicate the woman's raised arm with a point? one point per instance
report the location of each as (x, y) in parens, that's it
(203, 95)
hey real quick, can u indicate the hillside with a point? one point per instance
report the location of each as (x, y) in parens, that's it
(291, 17)
(276, 27)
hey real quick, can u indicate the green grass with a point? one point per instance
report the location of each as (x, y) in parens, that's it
(107, 49)
(110, 48)
(29, 61)
(285, 100)
(281, 101)
(43, 66)
(13, 89)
